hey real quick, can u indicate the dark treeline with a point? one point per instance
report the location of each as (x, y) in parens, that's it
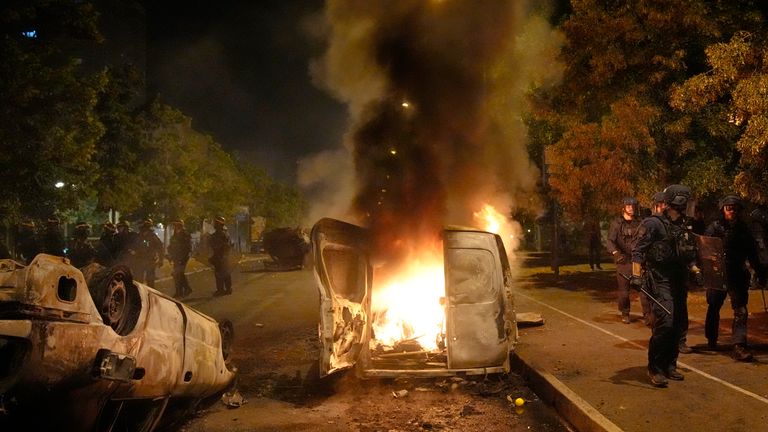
(79, 141)
(654, 93)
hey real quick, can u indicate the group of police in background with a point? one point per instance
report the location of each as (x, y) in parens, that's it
(660, 254)
(141, 251)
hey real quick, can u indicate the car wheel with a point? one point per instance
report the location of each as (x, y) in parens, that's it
(113, 308)
(227, 337)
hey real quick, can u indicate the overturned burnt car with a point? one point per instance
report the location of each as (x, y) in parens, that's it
(287, 247)
(101, 351)
(478, 328)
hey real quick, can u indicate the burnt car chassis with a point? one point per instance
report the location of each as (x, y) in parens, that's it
(481, 325)
(95, 350)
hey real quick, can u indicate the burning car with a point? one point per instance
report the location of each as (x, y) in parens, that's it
(452, 314)
(101, 351)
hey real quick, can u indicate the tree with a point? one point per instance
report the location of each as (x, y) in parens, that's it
(608, 127)
(187, 174)
(729, 104)
(280, 204)
(48, 130)
(119, 182)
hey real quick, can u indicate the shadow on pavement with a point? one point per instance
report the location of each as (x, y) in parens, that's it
(636, 376)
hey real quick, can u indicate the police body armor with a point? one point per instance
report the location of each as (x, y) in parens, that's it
(628, 232)
(678, 247)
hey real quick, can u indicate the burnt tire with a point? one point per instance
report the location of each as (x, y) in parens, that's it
(116, 298)
(227, 337)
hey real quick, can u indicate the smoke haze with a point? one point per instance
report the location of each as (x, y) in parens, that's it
(434, 91)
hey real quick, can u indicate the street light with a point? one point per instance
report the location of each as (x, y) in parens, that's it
(59, 184)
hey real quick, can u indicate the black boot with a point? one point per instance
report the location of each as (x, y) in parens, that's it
(673, 374)
(740, 353)
(657, 379)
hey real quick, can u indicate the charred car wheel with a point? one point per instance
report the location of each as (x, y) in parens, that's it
(113, 308)
(116, 298)
(227, 336)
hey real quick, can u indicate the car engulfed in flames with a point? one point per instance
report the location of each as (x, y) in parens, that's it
(375, 322)
(95, 350)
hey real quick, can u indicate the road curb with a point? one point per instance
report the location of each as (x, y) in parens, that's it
(580, 414)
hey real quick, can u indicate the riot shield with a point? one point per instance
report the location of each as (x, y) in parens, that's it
(711, 261)
(758, 231)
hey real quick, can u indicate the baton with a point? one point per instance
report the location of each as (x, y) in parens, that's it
(648, 294)
(762, 291)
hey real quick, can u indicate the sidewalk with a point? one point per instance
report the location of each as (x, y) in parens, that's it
(592, 368)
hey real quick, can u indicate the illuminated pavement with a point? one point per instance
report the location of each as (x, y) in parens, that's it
(585, 347)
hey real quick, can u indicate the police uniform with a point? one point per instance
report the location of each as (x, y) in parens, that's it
(179, 249)
(107, 248)
(666, 250)
(80, 251)
(620, 241)
(149, 253)
(125, 244)
(53, 240)
(27, 244)
(739, 247)
(220, 247)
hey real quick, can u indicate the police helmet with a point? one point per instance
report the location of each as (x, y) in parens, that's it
(178, 222)
(53, 220)
(109, 226)
(730, 200)
(30, 224)
(147, 223)
(219, 220)
(123, 224)
(677, 196)
(82, 228)
(629, 201)
(658, 198)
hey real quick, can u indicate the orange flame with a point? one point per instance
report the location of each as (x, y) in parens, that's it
(408, 304)
(489, 219)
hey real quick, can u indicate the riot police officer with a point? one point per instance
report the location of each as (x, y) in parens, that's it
(220, 248)
(80, 251)
(739, 246)
(125, 244)
(621, 239)
(661, 258)
(53, 239)
(149, 253)
(27, 244)
(179, 249)
(106, 250)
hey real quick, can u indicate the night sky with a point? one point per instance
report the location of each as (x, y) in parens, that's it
(240, 70)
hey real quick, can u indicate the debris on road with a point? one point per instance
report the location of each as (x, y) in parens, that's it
(233, 399)
(529, 319)
(399, 394)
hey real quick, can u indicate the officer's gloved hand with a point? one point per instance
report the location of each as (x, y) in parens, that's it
(620, 258)
(698, 276)
(636, 282)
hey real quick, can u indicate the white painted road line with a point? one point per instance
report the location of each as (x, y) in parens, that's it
(625, 340)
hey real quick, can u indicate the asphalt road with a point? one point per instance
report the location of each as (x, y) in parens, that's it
(584, 345)
(276, 350)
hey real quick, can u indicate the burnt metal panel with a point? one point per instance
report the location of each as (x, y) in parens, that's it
(475, 315)
(343, 277)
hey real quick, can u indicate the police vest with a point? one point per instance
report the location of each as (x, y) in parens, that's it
(678, 245)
